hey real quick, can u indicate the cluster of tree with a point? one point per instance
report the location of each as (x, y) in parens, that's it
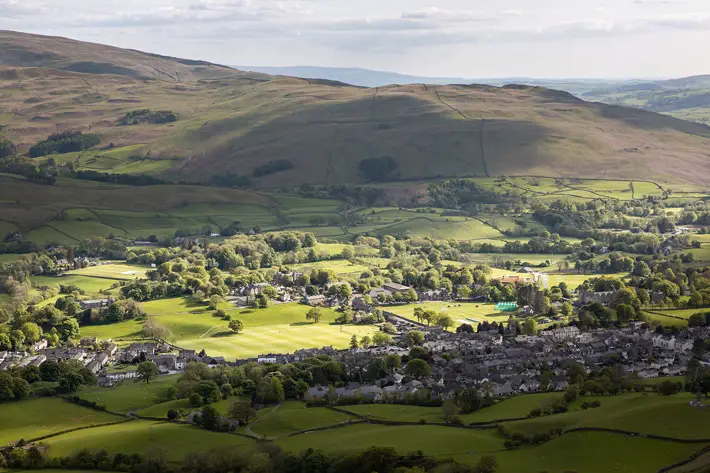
(65, 142)
(356, 196)
(465, 401)
(157, 117)
(230, 180)
(614, 263)
(44, 173)
(118, 178)
(433, 318)
(71, 375)
(461, 193)
(264, 458)
(264, 384)
(272, 167)
(118, 311)
(27, 328)
(7, 149)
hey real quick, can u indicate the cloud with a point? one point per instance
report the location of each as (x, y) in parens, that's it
(18, 8)
(658, 2)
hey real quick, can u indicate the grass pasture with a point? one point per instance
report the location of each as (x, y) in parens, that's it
(139, 436)
(112, 271)
(130, 395)
(512, 408)
(464, 445)
(594, 452)
(293, 416)
(90, 285)
(282, 328)
(462, 312)
(38, 417)
(646, 413)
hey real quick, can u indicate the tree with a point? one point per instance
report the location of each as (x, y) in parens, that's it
(215, 301)
(17, 338)
(195, 400)
(242, 411)
(365, 341)
(210, 418)
(668, 388)
(152, 329)
(487, 464)
(32, 332)
(415, 338)
(69, 382)
(236, 326)
(49, 370)
(417, 368)
(566, 309)
(314, 314)
(448, 411)
(530, 326)
(353, 342)
(147, 370)
(469, 400)
(445, 321)
(69, 329)
(393, 362)
(381, 339)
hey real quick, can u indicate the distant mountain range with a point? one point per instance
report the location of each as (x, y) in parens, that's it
(687, 98)
(371, 78)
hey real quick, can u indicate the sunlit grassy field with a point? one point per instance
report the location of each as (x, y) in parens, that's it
(282, 328)
(461, 312)
(38, 417)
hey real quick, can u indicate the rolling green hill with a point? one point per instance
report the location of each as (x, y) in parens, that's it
(686, 98)
(241, 123)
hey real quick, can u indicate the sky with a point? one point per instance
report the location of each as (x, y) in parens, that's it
(449, 38)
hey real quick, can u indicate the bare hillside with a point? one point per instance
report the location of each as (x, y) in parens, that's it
(29, 50)
(238, 122)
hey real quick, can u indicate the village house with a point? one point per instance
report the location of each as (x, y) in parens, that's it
(313, 301)
(95, 304)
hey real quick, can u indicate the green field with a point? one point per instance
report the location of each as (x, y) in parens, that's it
(282, 328)
(464, 445)
(647, 413)
(461, 312)
(664, 320)
(130, 395)
(511, 408)
(594, 452)
(38, 417)
(293, 416)
(139, 436)
(575, 280)
(122, 331)
(117, 271)
(88, 284)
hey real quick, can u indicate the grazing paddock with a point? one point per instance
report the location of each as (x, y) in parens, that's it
(38, 417)
(139, 436)
(293, 416)
(130, 394)
(594, 452)
(462, 444)
(112, 271)
(462, 312)
(281, 328)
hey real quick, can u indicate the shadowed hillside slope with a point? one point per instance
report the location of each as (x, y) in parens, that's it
(240, 122)
(28, 50)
